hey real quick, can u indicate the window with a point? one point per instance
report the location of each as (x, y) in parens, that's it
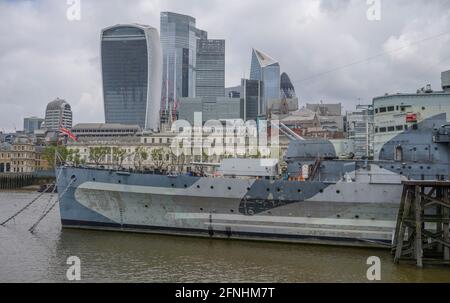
(391, 108)
(376, 110)
(382, 109)
(382, 129)
(376, 129)
(391, 128)
(399, 127)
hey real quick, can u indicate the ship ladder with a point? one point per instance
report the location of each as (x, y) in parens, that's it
(315, 169)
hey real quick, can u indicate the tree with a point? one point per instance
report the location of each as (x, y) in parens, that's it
(74, 156)
(50, 153)
(118, 156)
(140, 155)
(98, 154)
(157, 158)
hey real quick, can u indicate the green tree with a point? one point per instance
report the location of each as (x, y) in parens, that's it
(55, 154)
(74, 156)
(98, 154)
(118, 156)
(140, 155)
(157, 158)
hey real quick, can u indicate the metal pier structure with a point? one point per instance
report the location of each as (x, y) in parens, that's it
(422, 231)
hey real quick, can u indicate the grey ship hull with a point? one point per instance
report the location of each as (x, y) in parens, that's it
(356, 213)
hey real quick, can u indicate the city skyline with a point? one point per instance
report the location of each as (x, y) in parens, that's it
(299, 35)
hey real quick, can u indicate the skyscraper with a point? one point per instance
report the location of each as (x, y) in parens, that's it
(251, 95)
(30, 124)
(179, 47)
(210, 69)
(58, 113)
(131, 61)
(267, 70)
(286, 88)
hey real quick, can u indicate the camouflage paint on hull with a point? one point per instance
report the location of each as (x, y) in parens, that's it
(289, 211)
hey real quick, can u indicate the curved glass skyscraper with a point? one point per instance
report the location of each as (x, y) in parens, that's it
(286, 88)
(131, 59)
(267, 70)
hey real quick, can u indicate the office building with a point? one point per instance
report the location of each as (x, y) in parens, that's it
(89, 131)
(58, 113)
(266, 69)
(287, 90)
(210, 69)
(131, 61)
(217, 108)
(252, 96)
(179, 47)
(396, 113)
(30, 124)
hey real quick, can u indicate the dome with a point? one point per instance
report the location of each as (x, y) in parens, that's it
(58, 104)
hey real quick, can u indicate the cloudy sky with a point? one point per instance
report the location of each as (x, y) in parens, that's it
(329, 48)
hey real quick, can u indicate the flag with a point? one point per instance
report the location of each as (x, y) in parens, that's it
(67, 132)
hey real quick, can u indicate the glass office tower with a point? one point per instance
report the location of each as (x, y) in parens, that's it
(286, 88)
(267, 70)
(131, 61)
(179, 46)
(210, 70)
(252, 96)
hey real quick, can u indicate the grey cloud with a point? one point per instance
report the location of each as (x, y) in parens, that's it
(43, 55)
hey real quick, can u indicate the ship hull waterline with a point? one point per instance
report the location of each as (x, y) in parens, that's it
(345, 214)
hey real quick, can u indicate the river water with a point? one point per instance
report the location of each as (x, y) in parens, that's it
(129, 257)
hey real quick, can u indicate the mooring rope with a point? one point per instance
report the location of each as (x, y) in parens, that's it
(21, 210)
(32, 228)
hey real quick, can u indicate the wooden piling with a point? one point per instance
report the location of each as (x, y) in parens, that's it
(422, 230)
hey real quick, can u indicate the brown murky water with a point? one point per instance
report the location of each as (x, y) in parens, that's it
(128, 257)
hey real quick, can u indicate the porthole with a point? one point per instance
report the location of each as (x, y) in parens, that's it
(120, 181)
(198, 186)
(278, 189)
(93, 179)
(268, 189)
(146, 206)
(173, 185)
(201, 208)
(338, 191)
(299, 190)
(357, 217)
(321, 191)
(248, 188)
(338, 216)
(232, 210)
(212, 187)
(185, 186)
(229, 187)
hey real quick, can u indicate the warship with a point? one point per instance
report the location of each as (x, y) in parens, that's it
(322, 198)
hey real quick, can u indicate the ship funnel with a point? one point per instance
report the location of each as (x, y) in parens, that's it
(445, 78)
